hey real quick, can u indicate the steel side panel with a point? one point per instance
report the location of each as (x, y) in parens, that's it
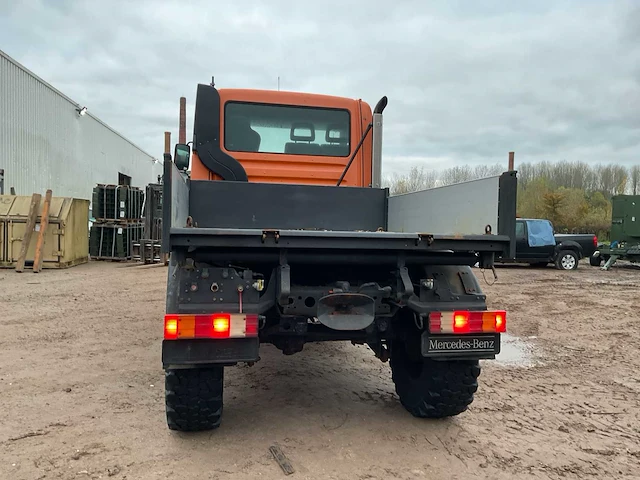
(179, 198)
(460, 209)
(223, 204)
(167, 204)
(175, 201)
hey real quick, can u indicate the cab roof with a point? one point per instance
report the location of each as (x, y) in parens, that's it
(286, 97)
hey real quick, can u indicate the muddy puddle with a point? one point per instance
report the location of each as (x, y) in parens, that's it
(516, 352)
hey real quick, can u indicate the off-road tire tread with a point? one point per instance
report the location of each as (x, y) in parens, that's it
(443, 389)
(193, 398)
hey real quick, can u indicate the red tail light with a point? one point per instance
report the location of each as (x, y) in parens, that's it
(461, 322)
(220, 326)
(216, 325)
(595, 241)
(251, 329)
(464, 321)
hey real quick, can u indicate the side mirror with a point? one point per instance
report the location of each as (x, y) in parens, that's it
(181, 156)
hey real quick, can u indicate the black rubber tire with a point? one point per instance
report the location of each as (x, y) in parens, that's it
(568, 265)
(193, 398)
(434, 389)
(595, 260)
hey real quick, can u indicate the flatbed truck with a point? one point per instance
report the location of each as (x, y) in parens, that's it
(281, 234)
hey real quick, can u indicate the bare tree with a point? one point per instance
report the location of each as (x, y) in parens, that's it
(610, 179)
(635, 179)
(620, 179)
(416, 179)
(483, 171)
(605, 179)
(526, 174)
(457, 174)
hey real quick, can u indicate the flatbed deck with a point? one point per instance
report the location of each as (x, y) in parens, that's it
(358, 240)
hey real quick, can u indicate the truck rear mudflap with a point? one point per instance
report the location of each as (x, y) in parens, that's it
(485, 346)
(176, 353)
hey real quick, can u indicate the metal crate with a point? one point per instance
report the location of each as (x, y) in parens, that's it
(120, 203)
(113, 241)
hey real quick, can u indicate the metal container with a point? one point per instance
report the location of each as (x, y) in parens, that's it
(120, 203)
(625, 218)
(112, 241)
(66, 240)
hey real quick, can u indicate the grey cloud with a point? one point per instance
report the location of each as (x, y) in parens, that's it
(467, 81)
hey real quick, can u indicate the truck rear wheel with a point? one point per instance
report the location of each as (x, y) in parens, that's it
(193, 398)
(434, 389)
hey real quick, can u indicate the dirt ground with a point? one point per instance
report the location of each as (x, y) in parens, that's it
(82, 390)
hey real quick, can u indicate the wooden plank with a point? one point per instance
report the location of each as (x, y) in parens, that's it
(28, 231)
(44, 222)
(282, 459)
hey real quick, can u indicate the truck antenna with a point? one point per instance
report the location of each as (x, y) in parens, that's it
(213, 83)
(278, 83)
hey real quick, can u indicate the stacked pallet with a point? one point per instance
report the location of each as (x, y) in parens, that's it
(117, 210)
(148, 248)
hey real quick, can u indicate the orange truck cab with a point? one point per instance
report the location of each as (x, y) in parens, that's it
(283, 137)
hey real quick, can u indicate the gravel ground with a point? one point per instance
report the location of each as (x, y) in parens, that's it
(82, 390)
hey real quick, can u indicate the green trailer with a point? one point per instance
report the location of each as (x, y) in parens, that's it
(625, 233)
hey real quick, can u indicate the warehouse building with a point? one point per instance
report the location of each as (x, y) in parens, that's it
(49, 141)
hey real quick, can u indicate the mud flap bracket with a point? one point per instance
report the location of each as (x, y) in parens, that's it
(405, 287)
(284, 280)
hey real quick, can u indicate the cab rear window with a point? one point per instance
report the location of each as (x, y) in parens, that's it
(253, 127)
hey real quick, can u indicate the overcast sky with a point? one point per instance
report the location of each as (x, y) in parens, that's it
(467, 81)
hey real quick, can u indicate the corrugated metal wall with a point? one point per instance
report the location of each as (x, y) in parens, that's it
(44, 143)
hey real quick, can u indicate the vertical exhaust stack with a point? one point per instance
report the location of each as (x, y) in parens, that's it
(511, 162)
(376, 157)
(182, 132)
